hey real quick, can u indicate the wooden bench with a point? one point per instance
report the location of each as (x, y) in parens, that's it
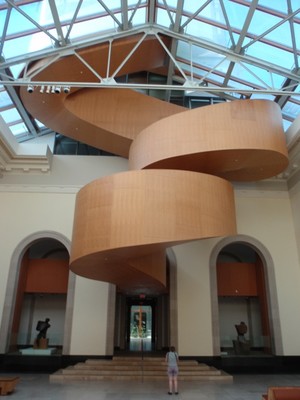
(7, 384)
(282, 393)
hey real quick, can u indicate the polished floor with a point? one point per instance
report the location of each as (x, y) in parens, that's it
(243, 387)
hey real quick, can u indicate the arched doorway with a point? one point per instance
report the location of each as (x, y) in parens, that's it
(242, 300)
(255, 302)
(29, 297)
(41, 293)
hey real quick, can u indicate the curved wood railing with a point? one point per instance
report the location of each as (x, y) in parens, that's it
(124, 220)
(238, 141)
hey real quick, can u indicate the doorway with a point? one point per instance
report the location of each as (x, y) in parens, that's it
(161, 315)
(142, 324)
(140, 327)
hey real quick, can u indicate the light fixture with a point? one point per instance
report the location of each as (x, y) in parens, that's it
(30, 89)
(51, 89)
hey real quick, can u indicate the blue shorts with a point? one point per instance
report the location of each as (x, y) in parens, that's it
(172, 371)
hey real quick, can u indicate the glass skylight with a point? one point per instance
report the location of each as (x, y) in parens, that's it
(220, 43)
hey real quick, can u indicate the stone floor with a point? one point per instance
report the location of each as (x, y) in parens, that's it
(244, 387)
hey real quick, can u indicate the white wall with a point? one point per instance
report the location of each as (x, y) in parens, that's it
(194, 304)
(89, 317)
(295, 204)
(23, 214)
(31, 204)
(268, 217)
(40, 203)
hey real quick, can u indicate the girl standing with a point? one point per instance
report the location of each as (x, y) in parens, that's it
(172, 360)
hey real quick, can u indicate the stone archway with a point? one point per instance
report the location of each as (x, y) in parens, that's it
(271, 292)
(12, 284)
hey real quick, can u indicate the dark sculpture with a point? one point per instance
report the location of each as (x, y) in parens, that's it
(42, 327)
(241, 345)
(241, 331)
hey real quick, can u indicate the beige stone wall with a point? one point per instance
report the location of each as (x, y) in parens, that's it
(35, 204)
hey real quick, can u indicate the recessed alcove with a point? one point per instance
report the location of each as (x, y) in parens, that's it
(242, 298)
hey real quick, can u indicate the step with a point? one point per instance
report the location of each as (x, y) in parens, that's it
(136, 369)
(60, 377)
(141, 371)
(132, 361)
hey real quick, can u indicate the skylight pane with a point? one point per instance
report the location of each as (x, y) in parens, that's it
(92, 7)
(291, 109)
(139, 17)
(162, 18)
(85, 28)
(201, 74)
(200, 56)
(5, 100)
(65, 9)
(297, 34)
(213, 78)
(271, 54)
(135, 2)
(213, 12)
(281, 35)
(261, 22)
(192, 6)
(262, 96)
(209, 32)
(238, 85)
(10, 115)
(16, 69)
(19, 129)
(236, 13)
(170, 3)
(18, 23)
(39, 124)
(257, 76)
(286, 124)
(278, 5)
(26, 44)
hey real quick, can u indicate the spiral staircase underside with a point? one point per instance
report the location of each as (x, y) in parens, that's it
(182, 163)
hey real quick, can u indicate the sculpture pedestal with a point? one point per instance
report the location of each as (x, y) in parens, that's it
(30, 351)
(41, 343)
(241, 347)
